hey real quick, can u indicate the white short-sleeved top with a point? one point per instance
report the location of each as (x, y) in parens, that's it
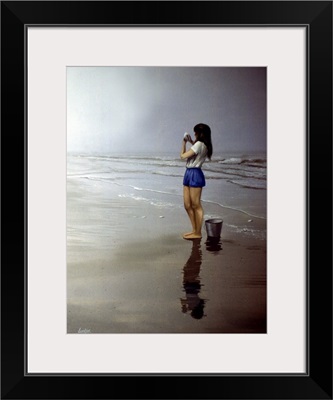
(200, 150)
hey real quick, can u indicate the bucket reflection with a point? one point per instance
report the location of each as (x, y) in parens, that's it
(192, 303)
(213, 244)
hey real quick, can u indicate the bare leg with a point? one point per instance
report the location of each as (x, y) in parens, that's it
(189, 210)
(195, 198)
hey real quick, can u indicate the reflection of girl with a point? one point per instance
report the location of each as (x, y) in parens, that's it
(191, 283)
(194, 179)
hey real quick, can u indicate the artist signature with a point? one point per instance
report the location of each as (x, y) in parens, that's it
(84, 330)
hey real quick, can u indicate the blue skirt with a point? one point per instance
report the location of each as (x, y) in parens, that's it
(194, 177)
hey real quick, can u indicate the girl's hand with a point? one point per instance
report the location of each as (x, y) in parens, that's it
(187, 138)
(183, 153)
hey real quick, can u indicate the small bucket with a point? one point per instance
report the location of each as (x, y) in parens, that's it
(214, 227)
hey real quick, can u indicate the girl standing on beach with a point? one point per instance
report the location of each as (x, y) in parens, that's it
(194, 179)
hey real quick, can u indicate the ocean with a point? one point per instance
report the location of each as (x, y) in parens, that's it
(233, 181)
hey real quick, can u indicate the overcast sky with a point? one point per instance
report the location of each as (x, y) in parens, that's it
(148, 109)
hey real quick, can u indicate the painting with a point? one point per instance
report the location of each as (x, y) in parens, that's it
(130, 268)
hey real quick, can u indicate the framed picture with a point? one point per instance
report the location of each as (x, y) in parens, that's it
(103, 294)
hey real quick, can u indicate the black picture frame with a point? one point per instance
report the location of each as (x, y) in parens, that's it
(16, 16)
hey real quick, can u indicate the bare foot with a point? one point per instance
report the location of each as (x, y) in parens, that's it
(193, 236)
(187, 234)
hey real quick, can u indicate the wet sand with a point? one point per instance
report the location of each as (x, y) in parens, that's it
(130, 271)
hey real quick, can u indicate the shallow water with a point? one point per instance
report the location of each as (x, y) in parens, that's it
(149, 288)
(232, 182)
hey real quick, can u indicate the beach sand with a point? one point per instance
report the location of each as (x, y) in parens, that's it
(130, 271)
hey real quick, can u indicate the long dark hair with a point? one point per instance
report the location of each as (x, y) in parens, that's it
(204, 135)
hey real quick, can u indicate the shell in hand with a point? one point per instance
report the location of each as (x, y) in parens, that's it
(187, 137)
